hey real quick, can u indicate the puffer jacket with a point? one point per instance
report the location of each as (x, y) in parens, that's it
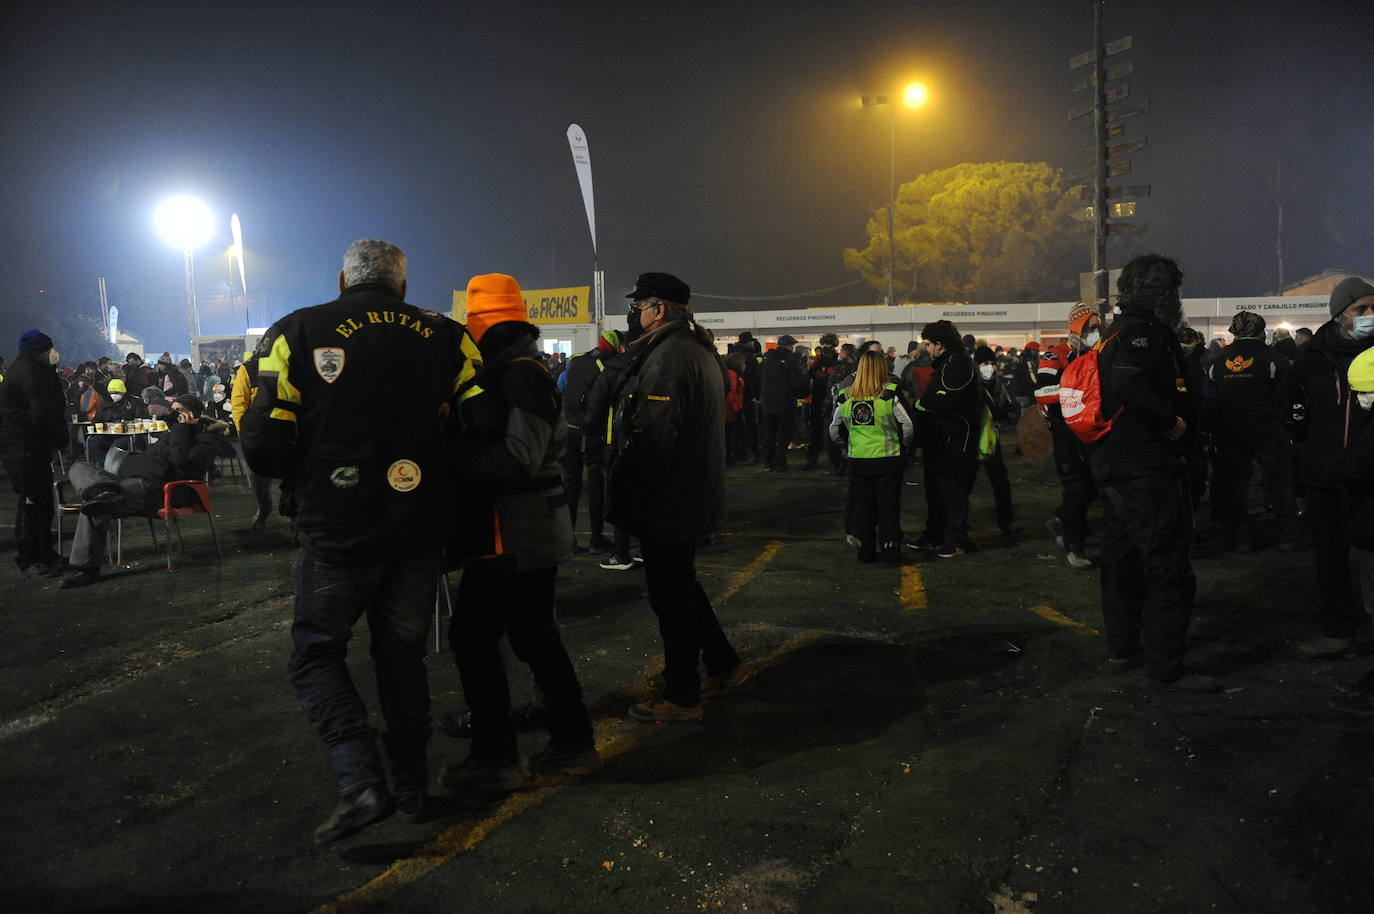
(1315, 404)
(514, 432)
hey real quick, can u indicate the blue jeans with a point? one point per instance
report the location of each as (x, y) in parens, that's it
(398, 598)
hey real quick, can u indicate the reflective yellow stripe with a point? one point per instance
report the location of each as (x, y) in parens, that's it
(472, 360)
(278, 360)
(472, 391)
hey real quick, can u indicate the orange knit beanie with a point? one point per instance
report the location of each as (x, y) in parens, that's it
(493, 298)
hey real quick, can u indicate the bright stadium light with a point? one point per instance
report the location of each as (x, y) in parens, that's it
(184, 222)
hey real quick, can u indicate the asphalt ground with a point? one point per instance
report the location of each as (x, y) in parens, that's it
(937, 737)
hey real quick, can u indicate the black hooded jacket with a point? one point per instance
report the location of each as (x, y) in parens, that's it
(32, 408)
(784, 380)
(1315, 404)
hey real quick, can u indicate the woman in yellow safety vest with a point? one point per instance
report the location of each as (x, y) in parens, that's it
(873, 419)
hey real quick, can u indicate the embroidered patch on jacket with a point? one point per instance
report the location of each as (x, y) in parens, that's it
(862, 413)
(403, 475)
(329, 363)
(656, 397)
(1239, 363)
(1142, 341)
(344, 477)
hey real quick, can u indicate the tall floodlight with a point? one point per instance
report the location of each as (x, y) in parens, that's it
(186, 223)
(913, 96)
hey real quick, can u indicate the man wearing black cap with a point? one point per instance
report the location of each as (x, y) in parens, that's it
(749, 347)
(1245, 377)
(1316, 404)
(784, 380)
(32, 424)
(131, 484)
(667, 486)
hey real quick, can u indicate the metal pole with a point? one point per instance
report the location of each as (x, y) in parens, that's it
(1100, 171)
(891, 204)
(192, 313)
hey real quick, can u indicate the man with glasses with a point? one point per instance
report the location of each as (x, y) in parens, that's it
(667, 486)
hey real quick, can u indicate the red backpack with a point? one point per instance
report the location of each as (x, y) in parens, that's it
(734, 400)
(1080, 396)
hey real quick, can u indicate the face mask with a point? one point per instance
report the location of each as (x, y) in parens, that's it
(116, 397)
(1091, 339)
(1362, 328)
(987, 371)
(1366, 399)
(219, 398)
(633, 324)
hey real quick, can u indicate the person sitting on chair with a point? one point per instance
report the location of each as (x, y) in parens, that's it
(130, 485)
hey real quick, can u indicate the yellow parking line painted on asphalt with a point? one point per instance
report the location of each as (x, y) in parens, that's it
(746, 574)
(1045, 612)
(913, 590)
(448, 845)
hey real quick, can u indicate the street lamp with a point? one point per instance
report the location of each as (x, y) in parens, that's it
(913, 96)
(186, 223)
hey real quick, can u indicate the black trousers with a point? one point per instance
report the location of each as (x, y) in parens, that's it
(819, 440)
(996, 471)
(1325, 514)
(686, 622)
(31, 477)
(1147, 578)
(875, 501)
(1238, 448)
(1076, 478)
(777, 435)
(948, 480)
(751, 428)
(582, 454)
(492, 601)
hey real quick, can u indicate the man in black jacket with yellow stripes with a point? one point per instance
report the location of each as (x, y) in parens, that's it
(366, 485)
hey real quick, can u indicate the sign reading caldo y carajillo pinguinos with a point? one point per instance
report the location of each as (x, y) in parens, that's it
(572, 305)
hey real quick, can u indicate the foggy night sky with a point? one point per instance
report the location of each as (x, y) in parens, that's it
(727, 141)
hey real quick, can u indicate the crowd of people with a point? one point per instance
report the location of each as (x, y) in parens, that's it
(488, 453)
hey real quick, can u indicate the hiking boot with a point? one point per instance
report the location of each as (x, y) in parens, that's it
(617, 563)
(355, 812)
(1326, 649)
(1056, 528)
(1361, 703)
(1196, 683)
(1078, 561)
(663, 710)
(476, 775)
(711, 685)
(574, 762)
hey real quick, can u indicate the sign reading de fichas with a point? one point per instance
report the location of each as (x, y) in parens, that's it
(571, 305)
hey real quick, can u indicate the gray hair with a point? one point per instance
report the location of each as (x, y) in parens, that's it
(372, 260)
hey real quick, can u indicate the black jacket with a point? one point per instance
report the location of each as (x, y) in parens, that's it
(601, 399)
(1145, 387)
(1244, 378)
(668, 476)
(33, 409)
(352, 411)
(1355, 465)
(1315, 404)
(577, 387)
(185, 451)
(948, 411)
(784, 380)
(513, 506)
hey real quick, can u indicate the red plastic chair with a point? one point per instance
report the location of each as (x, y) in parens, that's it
(171, 517)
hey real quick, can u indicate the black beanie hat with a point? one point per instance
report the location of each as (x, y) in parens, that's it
(192, 403)
(983, 354)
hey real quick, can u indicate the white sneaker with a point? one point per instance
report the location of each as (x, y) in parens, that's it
(617, 563)
(1079, 562)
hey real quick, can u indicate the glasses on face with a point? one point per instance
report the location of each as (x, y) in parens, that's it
(644, 304)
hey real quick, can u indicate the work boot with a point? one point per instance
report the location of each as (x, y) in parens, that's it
(355, 812)
(1324, 648)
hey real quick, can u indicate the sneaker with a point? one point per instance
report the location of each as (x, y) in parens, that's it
(1124, 664)
(711, 686)
(617, 563)
(475, 775)
(557, 761)
(853, 540)
(1189, 682)
(1361, 703)
(600, 545)
(1325, 649)
(948, 550)
(920, 545)
(1078, 562)
(1056, 528)
(80, 578)
(662, 710)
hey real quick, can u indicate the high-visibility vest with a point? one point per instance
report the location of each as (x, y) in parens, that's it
(872, 425)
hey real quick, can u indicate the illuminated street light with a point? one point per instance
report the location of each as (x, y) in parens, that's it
(913, 96)
(186, 223)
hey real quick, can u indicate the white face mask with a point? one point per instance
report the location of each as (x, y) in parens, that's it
(1092, 338)
(1362, 327)
(219, 398)
(987, 371)
(116, 397)
(1366, 399)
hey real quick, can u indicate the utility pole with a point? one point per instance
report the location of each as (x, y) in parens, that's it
(1108, 147)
